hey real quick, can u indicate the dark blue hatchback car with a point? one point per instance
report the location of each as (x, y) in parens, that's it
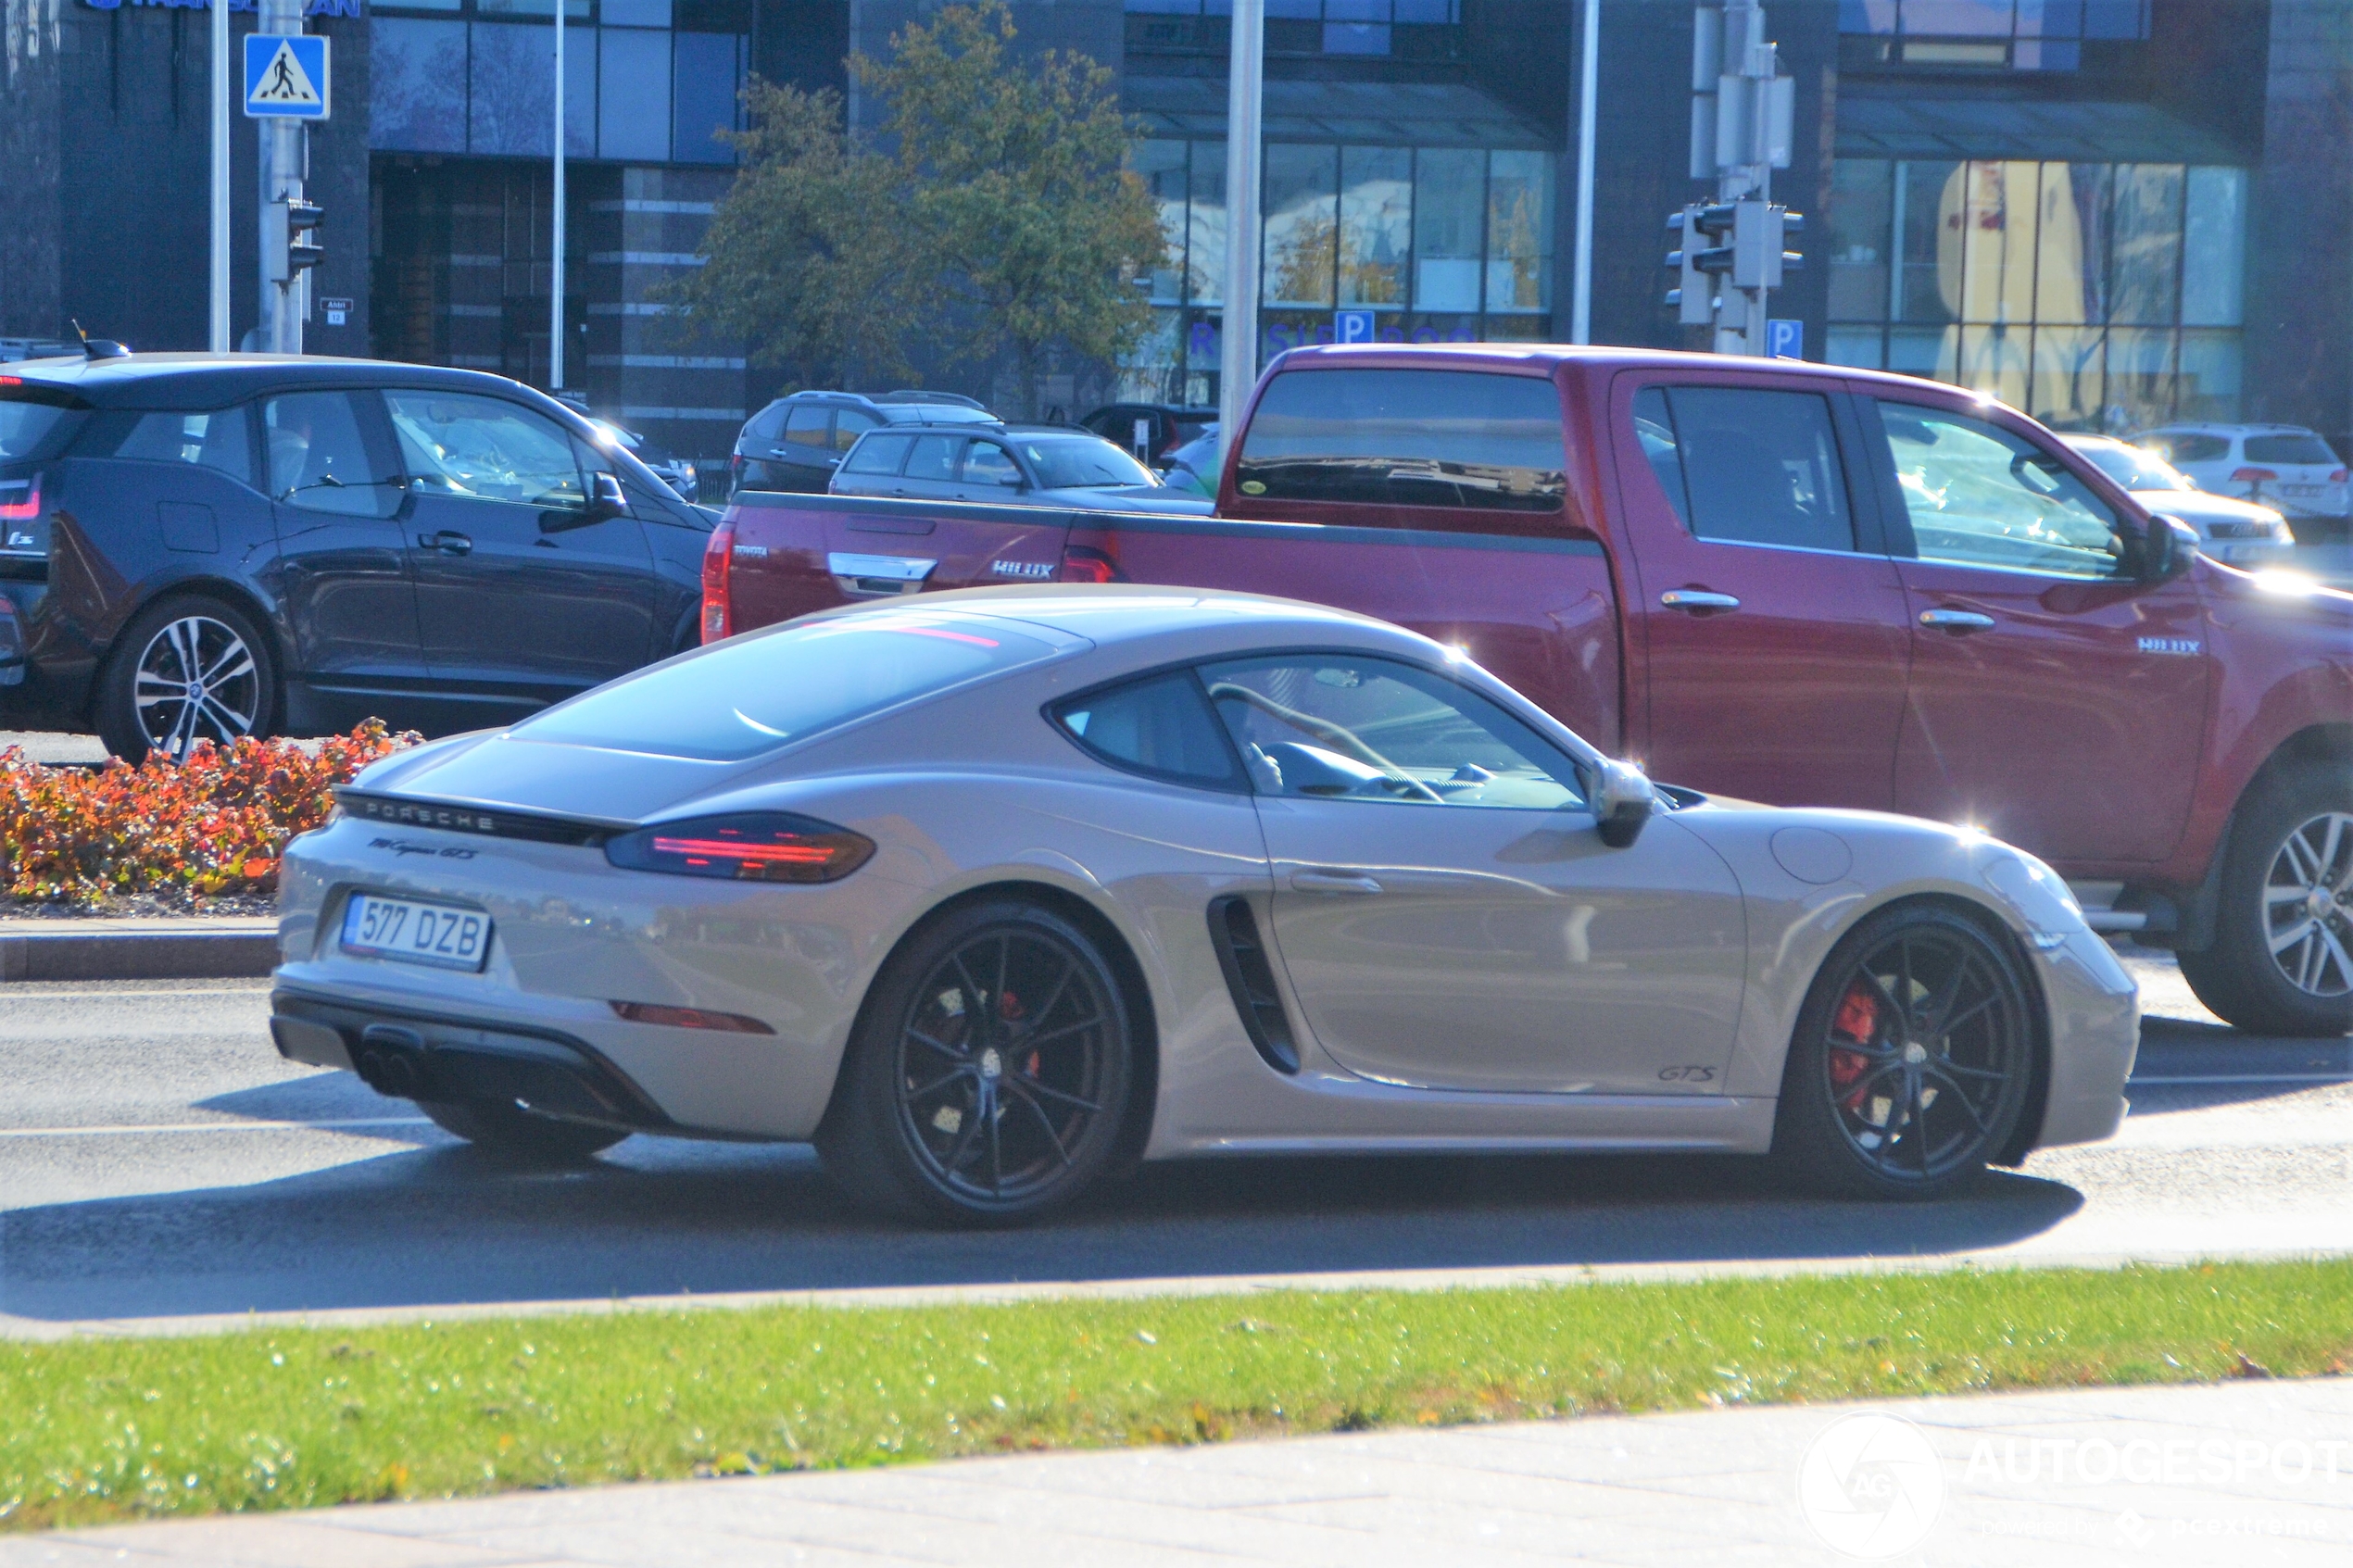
(200, 545)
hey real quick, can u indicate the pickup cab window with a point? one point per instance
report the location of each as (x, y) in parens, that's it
(1978, 495)
(1748, 465)
(1465, 439)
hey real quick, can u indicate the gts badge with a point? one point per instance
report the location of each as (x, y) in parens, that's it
(2170, 644)
(1031, 570)
(405, 847)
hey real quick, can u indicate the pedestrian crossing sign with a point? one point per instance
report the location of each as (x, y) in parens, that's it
(286, 77)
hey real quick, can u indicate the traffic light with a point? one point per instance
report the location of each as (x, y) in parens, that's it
(1704, 227)
(294, 243)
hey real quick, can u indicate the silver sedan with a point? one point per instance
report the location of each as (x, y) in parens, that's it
(994, 895)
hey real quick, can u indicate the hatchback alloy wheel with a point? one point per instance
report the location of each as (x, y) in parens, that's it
(2307, 905)
(195, 680)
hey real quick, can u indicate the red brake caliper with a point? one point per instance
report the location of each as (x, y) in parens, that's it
(1858, 1020)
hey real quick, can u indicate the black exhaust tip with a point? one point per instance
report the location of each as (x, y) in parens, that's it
(389, 1060)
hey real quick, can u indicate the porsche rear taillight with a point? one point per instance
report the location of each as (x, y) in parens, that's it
(717, 558)
(748, 846)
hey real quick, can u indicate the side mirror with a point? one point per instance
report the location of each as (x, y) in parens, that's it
(606, 502)
(1623, 800)
(2167, 548)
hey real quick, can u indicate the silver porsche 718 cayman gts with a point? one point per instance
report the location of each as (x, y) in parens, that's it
(992, 894)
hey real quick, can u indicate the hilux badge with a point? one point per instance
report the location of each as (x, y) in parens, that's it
(1040, 570)
(2170, 644)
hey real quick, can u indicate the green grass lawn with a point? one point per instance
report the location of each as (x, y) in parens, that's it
(101, 1430)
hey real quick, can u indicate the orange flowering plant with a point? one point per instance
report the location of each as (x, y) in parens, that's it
(211, 825)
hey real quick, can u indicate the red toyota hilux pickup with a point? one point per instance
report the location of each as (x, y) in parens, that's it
(1793, 584)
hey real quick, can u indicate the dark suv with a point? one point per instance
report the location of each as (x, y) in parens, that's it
(797, 442)
(204, 546)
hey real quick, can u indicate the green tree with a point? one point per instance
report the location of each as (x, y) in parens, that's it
(1017, 185)
(807, 262)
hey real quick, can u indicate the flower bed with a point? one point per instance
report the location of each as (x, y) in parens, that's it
(181, 835)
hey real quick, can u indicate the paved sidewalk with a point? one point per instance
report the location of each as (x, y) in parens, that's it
(2257, 1472)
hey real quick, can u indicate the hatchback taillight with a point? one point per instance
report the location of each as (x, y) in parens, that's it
(2338, 478)
(2254, 476)
(717, 558)
(748, 846)
(21, 503)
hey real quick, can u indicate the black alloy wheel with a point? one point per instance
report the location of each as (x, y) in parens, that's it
(1913, 1058)
(988, 1080)
(185, 671)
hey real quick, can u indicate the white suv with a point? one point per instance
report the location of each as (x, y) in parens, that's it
(2283, 466)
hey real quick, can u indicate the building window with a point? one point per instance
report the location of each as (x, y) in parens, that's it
(1381, 29)
(1446, 245)
(1998, 34)
(2095, 297)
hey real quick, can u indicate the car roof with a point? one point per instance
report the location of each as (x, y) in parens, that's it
(206, 381)
(1112, 615)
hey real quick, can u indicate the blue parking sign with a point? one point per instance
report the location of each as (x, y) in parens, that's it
(286, 77)
(1784, 340)
(1353, 326)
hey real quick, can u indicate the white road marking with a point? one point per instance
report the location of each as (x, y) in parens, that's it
(2194, 1082)
(213, 1127)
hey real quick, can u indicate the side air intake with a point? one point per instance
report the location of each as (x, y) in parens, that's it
(1250, 977)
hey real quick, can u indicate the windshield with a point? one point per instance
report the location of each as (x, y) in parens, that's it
(34, 422)
(1084, 462)
(2135, 469)
(757, 693)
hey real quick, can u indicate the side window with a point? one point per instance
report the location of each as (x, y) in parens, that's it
(1758, 466)
(1411, 438)
(1978, 495)
(1655, 428)
(483, 447)
(988, 463)
(934, 457)
(1346, 727)
(215, 440)
(320, 457)
(805, 425)
(849, 424)
(1161, 725)
(769, 423)
(881, 453)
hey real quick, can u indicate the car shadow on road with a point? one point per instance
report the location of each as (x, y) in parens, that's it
(442, 1224)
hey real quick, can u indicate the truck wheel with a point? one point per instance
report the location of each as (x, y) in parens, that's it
(516, 1134)
(2281, 962)
(186, 669)
(987, 1079)
(1912, 1060)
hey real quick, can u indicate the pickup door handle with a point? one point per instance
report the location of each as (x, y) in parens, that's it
(1332, 881)
(1960, 623)
(1697, 601)
(448, 544)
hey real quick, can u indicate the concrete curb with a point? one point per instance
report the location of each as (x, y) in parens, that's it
(137, 949)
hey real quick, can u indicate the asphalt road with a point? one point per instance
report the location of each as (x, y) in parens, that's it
(159, 1163)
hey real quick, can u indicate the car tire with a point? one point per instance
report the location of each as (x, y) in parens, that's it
(964, 1098)
(1925, 1003)
(516, 1134)
(233, 659)
(2293, 830)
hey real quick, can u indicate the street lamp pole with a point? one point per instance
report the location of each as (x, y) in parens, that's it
(218, 339)
(1238, 358)
(1581, 321)
(555, 268)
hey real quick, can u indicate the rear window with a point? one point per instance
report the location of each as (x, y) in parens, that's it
(35, 422)
(1412, 438)
(2190, 448)
(2290, 449)
(755, 693)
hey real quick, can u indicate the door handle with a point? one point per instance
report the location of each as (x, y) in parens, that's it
(448, 544)
(1697, 601)
(1959, 622)
(1332, 881)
